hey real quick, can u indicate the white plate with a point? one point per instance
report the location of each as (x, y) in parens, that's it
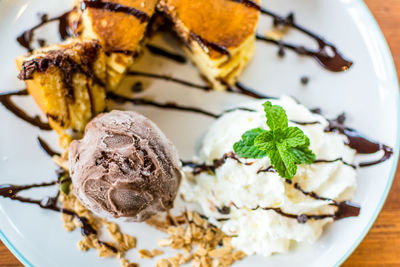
(368, 93)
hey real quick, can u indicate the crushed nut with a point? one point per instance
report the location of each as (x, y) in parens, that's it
(163, 263)
(156, 252)
(145, 254)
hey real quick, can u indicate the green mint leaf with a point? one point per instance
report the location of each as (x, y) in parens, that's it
(302, 155)
(276, 116)
(285, 146)
(265, 141)
(293, 137)
(245, 148)
(283, 162)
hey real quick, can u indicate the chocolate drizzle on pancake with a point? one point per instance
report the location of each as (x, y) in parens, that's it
(115, 7)
(327, 54)
(205, 44)
(7, 102)
(65, 64)
(26, 38)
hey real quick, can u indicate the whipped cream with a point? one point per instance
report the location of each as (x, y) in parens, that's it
(246, 188)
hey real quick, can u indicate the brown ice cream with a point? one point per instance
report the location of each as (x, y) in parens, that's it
(124, 167)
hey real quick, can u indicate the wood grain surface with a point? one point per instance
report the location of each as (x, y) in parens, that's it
(381, 247)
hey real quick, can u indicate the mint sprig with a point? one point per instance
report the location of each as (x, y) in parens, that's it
(285, 146)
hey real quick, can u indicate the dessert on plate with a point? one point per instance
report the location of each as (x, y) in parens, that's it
(120, 26)
(124, 167)
(237, 193)
(219, 36)
(269, 174)
(67, 82)
(220, 47)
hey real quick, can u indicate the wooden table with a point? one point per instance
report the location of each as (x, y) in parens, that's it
(381, 247)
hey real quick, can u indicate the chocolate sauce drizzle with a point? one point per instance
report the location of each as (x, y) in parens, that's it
(66, 64)
(198, 168)
(345, 209)
(164, 53)
(168, 105)
(11, 191)
(334, 160)
(359, 142)
(5, 99)
(327, 54)
(240, 88)
(170, 79)
(205, 44)
(115, 7)
(217, 163)
(46, 148)
(26, 38)
(305, 122)
(335, 62)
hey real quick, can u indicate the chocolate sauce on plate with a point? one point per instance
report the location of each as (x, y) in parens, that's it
(168, 105)
(137, 87)
(11, 191)
(327, 54)
(171, 79)
(26, 38)
(164, 53)
(359, 142)
(115, 7)
(5, 99)
(239, 87)
(244, 90)
(49, 151)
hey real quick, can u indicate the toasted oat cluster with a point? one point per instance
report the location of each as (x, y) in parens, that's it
(203, 244)
(122, 242)
(200, 242)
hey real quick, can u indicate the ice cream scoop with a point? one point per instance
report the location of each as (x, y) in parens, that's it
(124, 167)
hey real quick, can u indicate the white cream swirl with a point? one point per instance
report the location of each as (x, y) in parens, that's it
(242, 187)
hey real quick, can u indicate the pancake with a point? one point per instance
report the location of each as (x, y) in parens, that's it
(120, 26)
(67, 81)
(219, 35)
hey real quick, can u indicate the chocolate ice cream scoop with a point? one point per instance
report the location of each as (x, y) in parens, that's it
(124, 167)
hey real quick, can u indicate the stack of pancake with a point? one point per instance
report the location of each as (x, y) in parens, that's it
(69, 81)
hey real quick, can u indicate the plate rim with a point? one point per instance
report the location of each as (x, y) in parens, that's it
(388, 56)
